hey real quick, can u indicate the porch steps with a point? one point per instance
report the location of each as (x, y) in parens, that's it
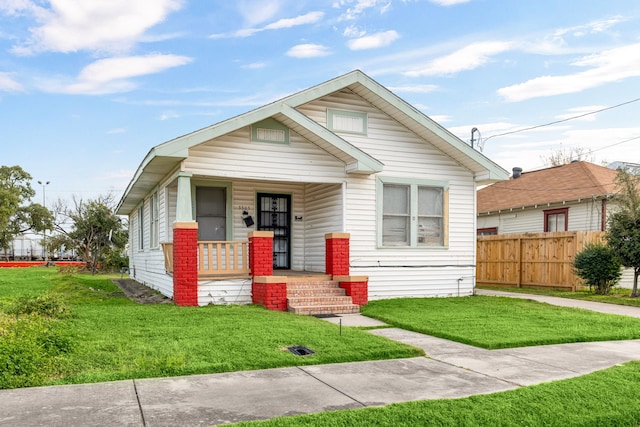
(318, 295)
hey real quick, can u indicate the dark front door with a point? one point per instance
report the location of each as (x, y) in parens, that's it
(274, 214)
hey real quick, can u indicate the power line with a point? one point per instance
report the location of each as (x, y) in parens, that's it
(563, 120)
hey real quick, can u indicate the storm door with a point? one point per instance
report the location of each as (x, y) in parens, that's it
(211, 213)
(274, 214)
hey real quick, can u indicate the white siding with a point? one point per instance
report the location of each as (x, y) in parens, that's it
(223, 292)
(323, 210)
(404, 271)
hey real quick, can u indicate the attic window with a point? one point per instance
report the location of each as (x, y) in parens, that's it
(347, 121)
(270, 130)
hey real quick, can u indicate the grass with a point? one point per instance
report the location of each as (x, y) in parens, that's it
(500, 322)
(619, 296)
(604, 398)
(114, 338)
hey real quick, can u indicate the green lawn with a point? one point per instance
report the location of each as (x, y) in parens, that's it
(620, 296)
(114, 338)
(604, 398)
(501, 322)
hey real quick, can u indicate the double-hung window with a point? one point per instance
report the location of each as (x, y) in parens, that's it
(556, 219)
(141, 227)
(413, 213)
(153, 220)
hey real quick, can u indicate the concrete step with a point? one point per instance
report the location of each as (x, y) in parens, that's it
(325, 309)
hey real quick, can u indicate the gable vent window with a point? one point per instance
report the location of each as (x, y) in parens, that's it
(347, 121)
(270, 130)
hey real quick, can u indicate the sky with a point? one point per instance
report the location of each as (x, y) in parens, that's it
(87, 88)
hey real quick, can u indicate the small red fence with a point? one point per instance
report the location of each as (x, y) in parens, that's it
(23, 264)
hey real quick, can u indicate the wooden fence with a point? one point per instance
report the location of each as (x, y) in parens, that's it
(543, 260)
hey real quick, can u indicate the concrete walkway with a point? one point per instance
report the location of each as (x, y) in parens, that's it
(453, 370)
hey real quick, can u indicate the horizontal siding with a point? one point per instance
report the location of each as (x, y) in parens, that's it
(236, 156)
(224, 292)
(323, 214)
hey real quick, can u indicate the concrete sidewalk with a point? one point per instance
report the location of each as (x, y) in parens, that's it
(453, 370)
(566, 302)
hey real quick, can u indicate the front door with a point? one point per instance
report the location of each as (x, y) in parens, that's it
(274, 214)
(211, 213)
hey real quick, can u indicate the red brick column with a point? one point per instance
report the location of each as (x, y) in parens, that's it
(261, 253)
(270, 291)
(337, 254)
(357, 287)
(185, 263)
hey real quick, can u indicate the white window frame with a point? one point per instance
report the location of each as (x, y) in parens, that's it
(141, 227)
(413, 241)
(154, 228)
(332, 114)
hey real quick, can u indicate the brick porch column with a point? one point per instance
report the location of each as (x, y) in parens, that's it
(185, 263)
(337, 254)
(261, 253)
(270, 292)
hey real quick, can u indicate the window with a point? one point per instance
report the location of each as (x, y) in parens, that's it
(141, 227)
(270, 130)
(490, 231)
(153, 221)
(347, 121)
(556, 219)
(413, 214)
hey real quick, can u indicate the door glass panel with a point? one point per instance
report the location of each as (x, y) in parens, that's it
(275, 215)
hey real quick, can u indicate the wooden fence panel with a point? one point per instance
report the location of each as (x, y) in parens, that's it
(531, 259)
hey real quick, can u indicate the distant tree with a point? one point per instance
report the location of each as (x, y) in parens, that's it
(565, 156)
(16, 216)
(96, 231)
(623, 233)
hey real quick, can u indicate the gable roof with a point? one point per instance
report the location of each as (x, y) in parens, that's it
(574, 181)
(163, 158)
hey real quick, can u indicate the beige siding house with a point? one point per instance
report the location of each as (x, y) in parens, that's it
(345, 156)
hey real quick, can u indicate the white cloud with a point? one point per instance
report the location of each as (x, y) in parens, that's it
(467, 58)
(112, 26)
(254, 66)
(111, 75)
(309, 18)
(257, 11)
(413, 88)
(608, 66)
(116, 131)
(593, 27)
(8, 84)
(353, 31)
(360, 7)
(308, 51)
(440, 118)
(577, 111)
(374, 40)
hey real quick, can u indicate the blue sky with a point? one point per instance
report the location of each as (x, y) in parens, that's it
(87, 88)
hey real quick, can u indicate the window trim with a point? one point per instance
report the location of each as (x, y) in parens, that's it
(413, 215)
(549, 212)
(491, 231)
(141, 246)
(154, 224)
(331, 112)
(269, 123)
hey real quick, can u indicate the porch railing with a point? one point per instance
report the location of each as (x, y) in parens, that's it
(223, 258)
(216, 258)
(167, 250)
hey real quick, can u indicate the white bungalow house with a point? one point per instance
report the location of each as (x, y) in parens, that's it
(343, 179)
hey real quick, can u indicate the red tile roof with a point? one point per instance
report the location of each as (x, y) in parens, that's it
(574, 181)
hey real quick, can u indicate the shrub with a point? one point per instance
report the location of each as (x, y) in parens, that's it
(30, 350)
(48, 305)
(598, 266)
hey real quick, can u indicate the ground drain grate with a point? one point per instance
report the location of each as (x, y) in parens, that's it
(324, 316)
(300, 350)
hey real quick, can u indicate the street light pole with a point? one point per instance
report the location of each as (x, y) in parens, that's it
(44, 232)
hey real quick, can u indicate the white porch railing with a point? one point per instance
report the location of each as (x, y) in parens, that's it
(215, 258)
(223, 258)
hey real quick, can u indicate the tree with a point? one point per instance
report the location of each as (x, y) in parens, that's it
(96, 231)
(598, 266)
(623, 234)
(15, 215)
(565, 156)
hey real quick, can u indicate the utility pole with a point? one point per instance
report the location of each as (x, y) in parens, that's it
(44, 232)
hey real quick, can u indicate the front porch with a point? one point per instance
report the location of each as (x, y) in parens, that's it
(334, 291)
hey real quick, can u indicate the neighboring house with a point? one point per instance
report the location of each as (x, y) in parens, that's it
(572, 197)
(343, 178)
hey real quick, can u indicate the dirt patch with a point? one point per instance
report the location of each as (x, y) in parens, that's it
(140, 293)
